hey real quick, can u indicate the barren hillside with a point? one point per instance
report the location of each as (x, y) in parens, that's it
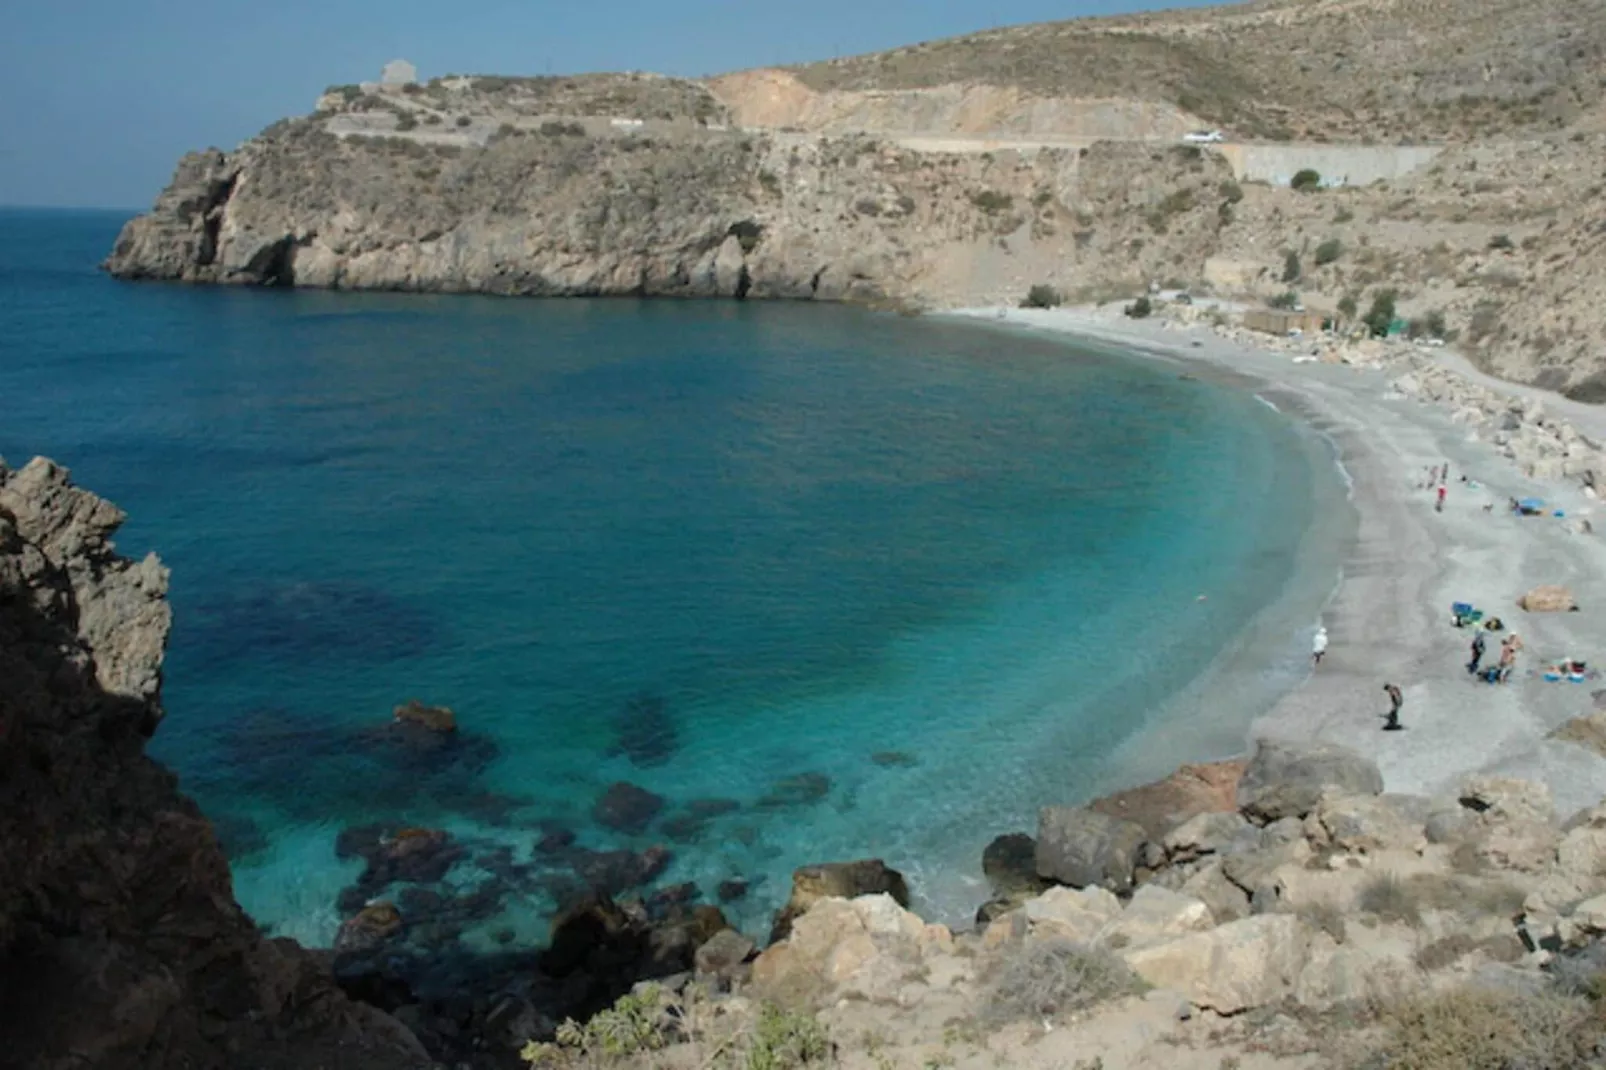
(1329, 69)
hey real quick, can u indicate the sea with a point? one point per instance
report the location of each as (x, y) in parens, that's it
(824, 583)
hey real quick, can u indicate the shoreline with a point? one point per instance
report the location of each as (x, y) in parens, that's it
(1388, 617)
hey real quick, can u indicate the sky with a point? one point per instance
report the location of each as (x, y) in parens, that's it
(99, 98)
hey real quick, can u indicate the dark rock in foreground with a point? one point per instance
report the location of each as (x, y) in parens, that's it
(121, 944)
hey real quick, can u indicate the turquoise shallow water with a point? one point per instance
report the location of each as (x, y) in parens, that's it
(797, 536)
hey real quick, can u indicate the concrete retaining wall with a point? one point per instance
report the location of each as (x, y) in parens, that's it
(1339, 165)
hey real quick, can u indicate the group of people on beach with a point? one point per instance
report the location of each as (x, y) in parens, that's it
(1510, 647)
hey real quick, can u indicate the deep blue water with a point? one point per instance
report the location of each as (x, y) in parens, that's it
(788, 537)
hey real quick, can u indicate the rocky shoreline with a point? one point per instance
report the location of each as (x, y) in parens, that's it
(1244, 884)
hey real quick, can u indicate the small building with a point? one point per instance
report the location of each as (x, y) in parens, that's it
(398, 72)
(1282, 321)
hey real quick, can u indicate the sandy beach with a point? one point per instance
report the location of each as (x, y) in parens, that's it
(1389, 619)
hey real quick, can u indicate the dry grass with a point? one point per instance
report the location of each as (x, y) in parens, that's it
(1039, 980)
(1487, 1029)
(1325, 916)
(1393, 898)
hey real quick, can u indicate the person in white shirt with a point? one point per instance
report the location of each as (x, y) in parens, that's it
(1318, 645)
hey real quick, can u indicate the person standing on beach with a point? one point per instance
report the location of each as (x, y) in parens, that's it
(1478, 644)
(1439, 508)
(1318, 645)
(1396, 700)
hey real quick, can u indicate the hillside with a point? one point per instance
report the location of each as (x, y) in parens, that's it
(965, 171)
(1288, 69)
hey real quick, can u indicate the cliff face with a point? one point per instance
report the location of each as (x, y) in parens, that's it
(560, 208)
(121, 944)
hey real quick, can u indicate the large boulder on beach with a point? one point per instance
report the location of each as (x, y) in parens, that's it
(837, 880)
(1194, 789)
(1288, 779)
(1082, 847)
(1550, 598)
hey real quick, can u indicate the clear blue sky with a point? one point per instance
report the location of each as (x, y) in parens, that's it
(99, 98)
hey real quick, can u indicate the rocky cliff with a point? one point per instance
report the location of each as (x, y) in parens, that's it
(562, 208)
(121, 944)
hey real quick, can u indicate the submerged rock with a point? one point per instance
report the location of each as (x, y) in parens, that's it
(609, 873)
(648, 735)
(372, 926)
(799, 790)
(625, 807)
(894, 759)
(432, 718)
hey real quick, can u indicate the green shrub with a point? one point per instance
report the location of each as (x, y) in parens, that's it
(1347, 306)
(1292, 268)
(1225, 213)
(1381, 313)
(1230, 191)
(631, 1026)
(1042, 296)
(785, 1040)
(991, 201)
(1502, 242)
(1286, 299)
(1140, 308)
(1329, 251)
(1043, 980)
(1306, 180)
(406, 121)
(463, 120)
(1428, 326)
(1343, 215)
(553, 128)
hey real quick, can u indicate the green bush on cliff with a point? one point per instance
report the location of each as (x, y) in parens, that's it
(1043, 980)
(1347, 306)
(1329, 251)
(1292, 268)
(631, 1026)
(1140, 308)
(1381, 314)
(1042, 296)
(1307, 180)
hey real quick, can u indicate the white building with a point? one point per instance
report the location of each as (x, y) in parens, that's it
(398, 72)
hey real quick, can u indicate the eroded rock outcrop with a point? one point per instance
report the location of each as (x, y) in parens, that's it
(121, 944)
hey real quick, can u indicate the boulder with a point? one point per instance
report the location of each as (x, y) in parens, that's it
(1550, 598)
(1243, 964)
(837, 880)
(799, 790)
(1071, 914)
(882, 915)
(1206, 834)
(626, 808)
(1156, 914)
(1582, 852)
(1163, 805)
(372, 926)
(1590, 915)
(1367, 824)
(429, 718)
(1588, 731)
(1287, 779)
(1227, 901)
(1506, 799)
(723, 955)
(1010, 865)
(1083, 847)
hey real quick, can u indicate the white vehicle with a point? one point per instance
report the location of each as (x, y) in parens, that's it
(1204, 137)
